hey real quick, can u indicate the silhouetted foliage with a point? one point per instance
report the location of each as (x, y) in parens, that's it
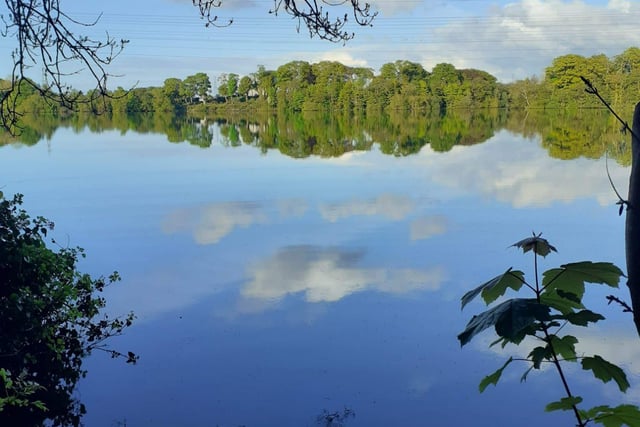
(50, 321)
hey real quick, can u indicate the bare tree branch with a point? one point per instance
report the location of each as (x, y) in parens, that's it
(309, 13)
(49, 38)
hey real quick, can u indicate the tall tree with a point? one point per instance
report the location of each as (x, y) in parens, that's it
(245, 85)
(198, 85)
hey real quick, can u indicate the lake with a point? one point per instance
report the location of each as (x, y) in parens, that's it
(272, 288)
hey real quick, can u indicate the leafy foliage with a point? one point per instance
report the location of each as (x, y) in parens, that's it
(618, 416)
(564, 404)
(50, 321)
(509, 319)
(605, 371)
(495, 377)
(557, 302)
(496, 287)
(536, 244)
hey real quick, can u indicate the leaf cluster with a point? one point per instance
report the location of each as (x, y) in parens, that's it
(557, 301)
(50, 321)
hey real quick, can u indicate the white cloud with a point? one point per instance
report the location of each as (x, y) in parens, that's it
(520, 39)
(209, 224)
(620, 5)
(521, 173)
(391, 206)
(326, 275)
(292, 208)
(428, 226)
(343, 57)
(392, 7)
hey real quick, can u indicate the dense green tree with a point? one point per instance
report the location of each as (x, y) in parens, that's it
(266, 86)
(292, 80)
(444, 84)
(50, 321)
(481, 88)
(245, 85)
(171, 98)
(197, 85)
(228, 85)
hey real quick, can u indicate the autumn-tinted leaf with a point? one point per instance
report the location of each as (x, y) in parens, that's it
(496, 287)
(564, 404)
(493, 378)
(606, 371)
(536, 244)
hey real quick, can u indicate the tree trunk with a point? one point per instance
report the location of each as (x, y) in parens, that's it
(632, 231)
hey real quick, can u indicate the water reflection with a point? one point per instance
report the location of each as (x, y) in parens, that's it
(330, 274)
(566, 135)
(428, 226)
(390, 206)
(211, 223)
(263, 280)
(522, 176)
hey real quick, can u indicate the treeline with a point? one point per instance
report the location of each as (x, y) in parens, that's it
(565, 134)
(402, 85)
(617, 80)
(331, 86)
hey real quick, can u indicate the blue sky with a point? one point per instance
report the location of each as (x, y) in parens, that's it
(511, 40)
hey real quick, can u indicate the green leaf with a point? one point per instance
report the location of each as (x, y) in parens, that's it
(581, 318)
(536, 244)
(622, 415)
(519, 316)
(539, 354)
(493, 378)
(564, 302)
(593, 412)
(40, 405)
(564, 404)
(565, 346)
(606, 371)
(496, 287)
(510, 318)
(572, 277)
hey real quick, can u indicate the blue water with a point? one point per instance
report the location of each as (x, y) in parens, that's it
(270, 289)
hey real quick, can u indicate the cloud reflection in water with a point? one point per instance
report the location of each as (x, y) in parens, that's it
(391, 206)
(330, 274)
(209, 224)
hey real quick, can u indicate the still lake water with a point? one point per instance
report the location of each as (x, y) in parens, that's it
(269, 289)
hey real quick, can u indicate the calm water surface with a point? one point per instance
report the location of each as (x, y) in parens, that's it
(270, 289)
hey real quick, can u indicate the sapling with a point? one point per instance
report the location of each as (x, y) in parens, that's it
(555, 300)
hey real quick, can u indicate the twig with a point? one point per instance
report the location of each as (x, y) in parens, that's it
(621, 202)
(625, 307)
(594, 91)
(625, 128)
